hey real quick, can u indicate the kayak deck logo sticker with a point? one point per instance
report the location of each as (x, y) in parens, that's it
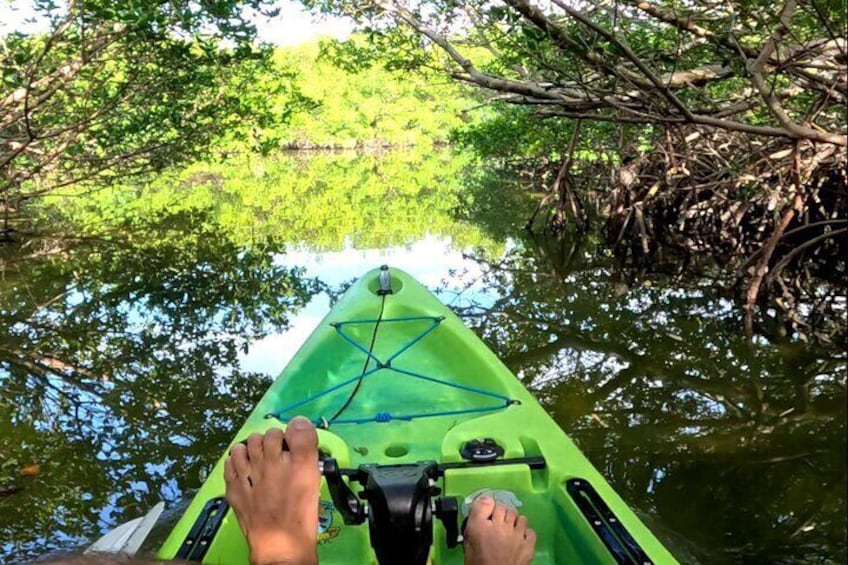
(326, 531)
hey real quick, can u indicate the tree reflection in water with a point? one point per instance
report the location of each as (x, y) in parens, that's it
(119, 372)
(736, 447)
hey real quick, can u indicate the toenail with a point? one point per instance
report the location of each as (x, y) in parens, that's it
(485, 499)
(300, 423)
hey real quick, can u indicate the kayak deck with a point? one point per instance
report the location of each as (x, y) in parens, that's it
(399, 379)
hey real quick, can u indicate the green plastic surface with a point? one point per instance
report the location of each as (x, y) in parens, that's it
(451, 352)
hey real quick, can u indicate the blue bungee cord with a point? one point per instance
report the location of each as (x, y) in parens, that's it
(384, 417)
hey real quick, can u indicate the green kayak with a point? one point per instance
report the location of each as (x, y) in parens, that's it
(417, 416)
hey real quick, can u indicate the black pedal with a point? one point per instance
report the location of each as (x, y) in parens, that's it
(399, 513)
(447, 510)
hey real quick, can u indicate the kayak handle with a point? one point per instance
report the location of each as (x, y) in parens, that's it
(385, 281)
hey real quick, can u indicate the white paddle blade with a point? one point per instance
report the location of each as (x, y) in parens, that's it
(129, 536)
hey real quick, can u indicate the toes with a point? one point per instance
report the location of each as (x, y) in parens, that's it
(302, 440)
(302, 456)
(510, 517)
(521, 525)
(238, 456)
(254, 447)
(481, 508)
(499, 514)
(529, 549)
(236, 487)
(230, 474)
(272, 444)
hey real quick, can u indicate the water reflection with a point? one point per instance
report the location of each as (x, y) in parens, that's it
(127, 361)
(737, 448)
(119, 376)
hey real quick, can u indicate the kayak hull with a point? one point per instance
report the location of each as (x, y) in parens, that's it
(430, 386)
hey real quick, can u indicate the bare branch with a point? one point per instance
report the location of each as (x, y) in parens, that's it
(755, 68)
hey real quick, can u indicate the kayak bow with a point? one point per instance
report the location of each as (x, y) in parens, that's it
(412, 406)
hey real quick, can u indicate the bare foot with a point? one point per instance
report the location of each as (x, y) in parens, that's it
(497, 534)
(274, 494)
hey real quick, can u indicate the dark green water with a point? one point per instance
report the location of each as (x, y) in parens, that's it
(127, 361)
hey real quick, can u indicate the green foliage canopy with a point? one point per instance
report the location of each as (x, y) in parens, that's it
(742, 66)
(115, 90)
(366, 104)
